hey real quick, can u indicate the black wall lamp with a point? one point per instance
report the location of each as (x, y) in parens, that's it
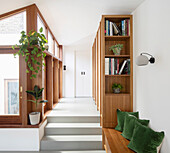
(143, 60)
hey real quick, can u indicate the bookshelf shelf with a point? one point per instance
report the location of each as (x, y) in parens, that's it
(117, 56)
(113, 94)
(116, 38)
(122, 75)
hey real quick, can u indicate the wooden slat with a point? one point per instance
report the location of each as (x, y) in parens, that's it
(49, 65)
(55, 82)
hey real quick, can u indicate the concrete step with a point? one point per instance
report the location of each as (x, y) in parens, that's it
(73, 119)
(73, 129)
(72, 142)
(88, 151)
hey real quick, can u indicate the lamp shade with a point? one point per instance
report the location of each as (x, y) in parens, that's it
(142, 60)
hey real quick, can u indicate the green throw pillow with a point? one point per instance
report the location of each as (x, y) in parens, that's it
(121, 118)
(129, 125)
(145, 140)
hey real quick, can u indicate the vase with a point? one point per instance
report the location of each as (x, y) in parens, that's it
(116, 90)
(34, 118)
(118, 50)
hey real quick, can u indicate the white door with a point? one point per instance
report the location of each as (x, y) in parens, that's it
(83, 74)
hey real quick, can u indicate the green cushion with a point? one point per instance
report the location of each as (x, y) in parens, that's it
(121, 118)
(129, 125)
(145, 140)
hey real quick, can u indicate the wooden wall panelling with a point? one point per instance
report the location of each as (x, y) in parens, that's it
(55, 82)
(61, 52)
(131, 59)
(60, 79)
(121, 101)
(97, 71)
(102, 69)
(92, 72)
(32, 25)
(49, 65)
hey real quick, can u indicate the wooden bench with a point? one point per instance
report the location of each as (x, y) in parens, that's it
(114, 142)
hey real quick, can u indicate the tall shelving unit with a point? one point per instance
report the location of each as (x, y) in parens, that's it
(108, 101)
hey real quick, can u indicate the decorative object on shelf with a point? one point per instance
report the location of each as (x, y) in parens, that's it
(37, 94)
(32, 47)
(143, 60)
(117, 87)
(116, 48)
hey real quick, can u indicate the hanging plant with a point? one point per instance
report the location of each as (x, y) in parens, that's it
(32, 47)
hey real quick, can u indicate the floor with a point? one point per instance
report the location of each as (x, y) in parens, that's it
(71, 107)
(75, 107)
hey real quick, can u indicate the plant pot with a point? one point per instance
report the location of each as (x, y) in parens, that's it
(116, 90)
(117, 52)
(34, 118)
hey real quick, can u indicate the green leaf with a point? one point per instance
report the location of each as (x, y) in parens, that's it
(32, 101)
(38, 63)
(36, 71)
(41, 30)
(38, 55)
(31, 68)
(27, 71)
(13, 47)
(34, 75)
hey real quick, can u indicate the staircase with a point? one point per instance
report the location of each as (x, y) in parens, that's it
(74, 125)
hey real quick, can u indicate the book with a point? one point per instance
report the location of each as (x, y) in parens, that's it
(123, 27)
(117, 66)
(109, 66)
(113, 66)
(107, 28)
(129, 27)
(128, 66)
(111, 28)
(116, 29)
(106, 66)
(122, 67)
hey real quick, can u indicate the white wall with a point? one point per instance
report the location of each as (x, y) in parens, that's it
(152, 82)
(21, 139)
(83, 45)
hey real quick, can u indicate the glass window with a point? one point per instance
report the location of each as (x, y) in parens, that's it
(50, 43)
(40, 24)
(11, 28)
(9, 84)
(56, 50)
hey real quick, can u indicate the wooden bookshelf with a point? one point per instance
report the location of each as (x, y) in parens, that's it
(109, 102)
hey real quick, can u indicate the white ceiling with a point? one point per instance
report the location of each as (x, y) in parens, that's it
(74, 20)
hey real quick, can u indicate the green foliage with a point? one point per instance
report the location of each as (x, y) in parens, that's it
(32, 47)
(37, 94)
(115, 86)
(116, 47)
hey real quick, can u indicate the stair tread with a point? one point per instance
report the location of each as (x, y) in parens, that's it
(73, 115)
(73, 138)
(73, 125)
(87, 151)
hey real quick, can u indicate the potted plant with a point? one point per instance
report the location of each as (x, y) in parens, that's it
(117, 87)
(32, 47)
(116, 48)
(37, 94)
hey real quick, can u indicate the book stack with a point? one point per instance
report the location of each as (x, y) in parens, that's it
(125, 24)
(114, 67)
(112, 28)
